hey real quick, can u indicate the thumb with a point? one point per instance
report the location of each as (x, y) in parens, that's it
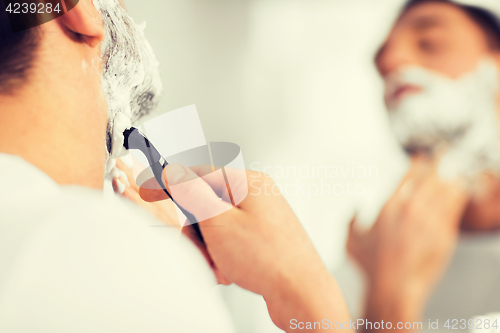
(193, 193)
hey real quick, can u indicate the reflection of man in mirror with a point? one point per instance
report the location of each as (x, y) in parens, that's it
(440, 64)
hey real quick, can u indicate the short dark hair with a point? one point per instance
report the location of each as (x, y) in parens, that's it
(17, 53)
(483, 18)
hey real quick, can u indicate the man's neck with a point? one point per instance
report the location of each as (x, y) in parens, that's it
(49, 130)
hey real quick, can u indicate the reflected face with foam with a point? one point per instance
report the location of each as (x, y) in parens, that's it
(438, 36)
(442, 83)
(438, 66)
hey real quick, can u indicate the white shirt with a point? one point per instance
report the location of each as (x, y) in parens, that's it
(71, 261)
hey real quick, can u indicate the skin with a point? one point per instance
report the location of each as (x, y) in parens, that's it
(293, 281)
(57, 122)
(396, 255)
(275, 267)
(56, 126)
(409, 247)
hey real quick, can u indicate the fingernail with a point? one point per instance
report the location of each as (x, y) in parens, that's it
(115, 172)
(123, 175)
(174, 173)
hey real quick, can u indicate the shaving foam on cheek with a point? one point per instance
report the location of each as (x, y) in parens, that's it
(130, 80)
(459, 115)
(120, 124)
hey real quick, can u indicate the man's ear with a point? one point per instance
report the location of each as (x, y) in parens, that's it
(85, 21)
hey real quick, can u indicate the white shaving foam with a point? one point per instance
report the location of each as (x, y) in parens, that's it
(460, 115)
(131, 80)
(120, 124)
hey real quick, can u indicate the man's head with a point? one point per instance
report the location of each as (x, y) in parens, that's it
(440, 65)
(63, 84)
(17, 52)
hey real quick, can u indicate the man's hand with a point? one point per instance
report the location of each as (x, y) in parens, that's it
(164, 210)
(409, 247)
(259, 244)
(158, 204)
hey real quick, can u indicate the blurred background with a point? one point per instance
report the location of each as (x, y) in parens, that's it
(293, 83)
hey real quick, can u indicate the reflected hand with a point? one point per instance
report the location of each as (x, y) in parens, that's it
(407, 250)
